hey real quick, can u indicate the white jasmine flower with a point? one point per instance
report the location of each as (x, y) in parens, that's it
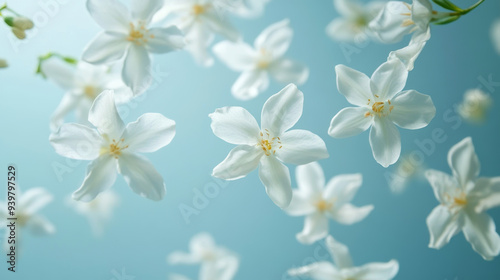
(265, 58)
(475, 106)
(268, 146)
(463, 198)
(201, 20)
(352, 26)
(113, 148)
(344, 269)
(83, 84)
(28, 205)
(98, 211)
(3, 63)
(217, 263)
(406, 170)
(320, 202)
(495, 34)
(382, 107)
(129, 35)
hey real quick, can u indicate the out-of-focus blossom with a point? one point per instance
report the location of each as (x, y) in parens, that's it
(475, 106)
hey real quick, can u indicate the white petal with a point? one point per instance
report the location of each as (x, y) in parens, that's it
(145, 9)
(240, 161)
(106, 47)
(339, 252)
(488, 192)
(480, 231)
(350, 121)
(349, 214)
(463, 161)
(111, 15)
(310, 178)
(68, 104)
(235, 125)
(347, 8)
(104, 116)
(182, 258)
(59, 72)
(38, 225)
(388, 25)
(136, 69)
(198, 39)
(409, 54)
(385, 142)
(165, 40)
(76, 141)
(288, 71)
(315, 228)
(276, 38)
(441, 183)
(141, 176)
(151, 132)
(354, 85)
(201, 243)
(344, 30)
(33, 200)
(301, 147)
(101, 175)
(421, 13)
(301, 204)
(343, 188)
(495, 34)
(318, 271)
(239, 56)
(412, 110)
(389, 79)
(378, 271)
(282, 110)
(250, 84)
(216, 23)
(276, 178)
(443, 225)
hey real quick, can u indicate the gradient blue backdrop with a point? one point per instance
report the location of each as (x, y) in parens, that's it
(241, 216)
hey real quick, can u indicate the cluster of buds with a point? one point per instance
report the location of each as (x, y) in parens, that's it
(18, 24)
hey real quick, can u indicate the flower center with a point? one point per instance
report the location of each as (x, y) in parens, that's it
(456, 201)
(115, 148)
(267, 142)
(460, 200)
(264, 59)
(380, 109)
(199, 9)
(323, 205)
(90, 92)
(407, 22)
(139, 34)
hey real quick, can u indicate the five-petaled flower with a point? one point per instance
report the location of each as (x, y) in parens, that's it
(344, 269)
(382, 106)
(129, 35)
(266, 147)
(113, 146)
(463, 199)
(83, 84)
(320, 203)
(263, 59)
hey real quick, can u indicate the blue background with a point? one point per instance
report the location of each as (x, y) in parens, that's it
(242, 217)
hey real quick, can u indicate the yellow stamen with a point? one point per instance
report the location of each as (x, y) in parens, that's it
(140, 34)
(323, 205)
(198, 9)
(115, 148)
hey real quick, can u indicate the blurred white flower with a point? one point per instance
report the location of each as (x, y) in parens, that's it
(495, 34)
(28, 205)
(129, 35)
(268, 146)
(398, 19)
(3, 63)
(320, 202)
(113, 147)
(475, 106)
(463, 198)
(344, 269)
(201, 20)
(352, 26)
(217, 263)
(247, 8)
(83, 84)
(382, 106)
(406, 170)
(98, 211)
(265, 58)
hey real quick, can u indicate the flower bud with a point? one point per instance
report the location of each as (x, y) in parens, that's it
(20, 34)
(23, 23)
(3, 63)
